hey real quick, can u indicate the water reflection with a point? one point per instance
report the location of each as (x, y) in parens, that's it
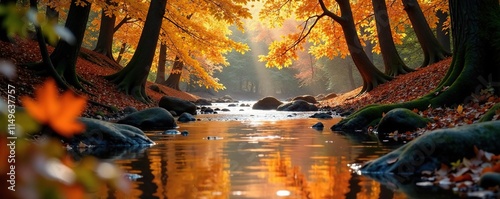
(253, 159)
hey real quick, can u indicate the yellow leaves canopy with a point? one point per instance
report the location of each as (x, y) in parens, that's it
(58, 112)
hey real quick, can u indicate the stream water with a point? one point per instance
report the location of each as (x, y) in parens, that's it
(253, 154)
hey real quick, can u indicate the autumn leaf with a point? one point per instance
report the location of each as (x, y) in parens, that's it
(58, 112)
(456, 164)
(460, 109)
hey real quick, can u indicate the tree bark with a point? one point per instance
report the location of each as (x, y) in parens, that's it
(132, 79)
(174, 78)
(372, 77)
(45, 53)
(162, 61)
(63, 58)
(120, 53)
(53, 16)
(393, 63)
(475, 63)
(432, 49)
(65, 55)
(105, 40)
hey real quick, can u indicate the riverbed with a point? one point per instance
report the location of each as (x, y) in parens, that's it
(253, 154)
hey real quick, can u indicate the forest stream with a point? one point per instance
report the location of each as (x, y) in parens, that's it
(253, 154)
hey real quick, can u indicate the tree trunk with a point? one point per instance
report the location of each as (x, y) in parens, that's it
(132, 79)
(443, 36)
(372, 77)
(475, 64)
(45, 53)
(120, 53)
(53, 16)
(174, 78)
(432, 49)
(393, 63)
(4, 36)
(162, 61)
(105, 40)
(65, 55)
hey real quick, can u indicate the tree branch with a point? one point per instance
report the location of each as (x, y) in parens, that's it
(329, 13)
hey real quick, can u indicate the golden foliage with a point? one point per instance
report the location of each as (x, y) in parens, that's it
(327, 37)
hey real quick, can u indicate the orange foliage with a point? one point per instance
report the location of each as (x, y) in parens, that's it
(58, 112)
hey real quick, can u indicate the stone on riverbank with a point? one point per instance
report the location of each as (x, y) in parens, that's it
(297, 105)
(178, 105)
(106, 134)
(155, 118)
(308, 98)
(267, 103)
(186, 117)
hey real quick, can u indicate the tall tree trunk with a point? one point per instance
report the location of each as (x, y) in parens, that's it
(443, 36)
(372, 77)
(174, 78)
(393, 63)
(475, 65)
(53, 16)
(120, 53)
(4, 36)
(45, 53)
(105, 40)
(432, 49)
(132, 79)
(162, 61)
(65, 55)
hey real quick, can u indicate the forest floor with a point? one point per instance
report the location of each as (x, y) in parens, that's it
(403, 88)
(24, 52)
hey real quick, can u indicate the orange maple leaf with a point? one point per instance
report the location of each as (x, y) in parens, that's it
(58, 112)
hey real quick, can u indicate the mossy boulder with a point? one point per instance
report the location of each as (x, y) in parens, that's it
(401, 120)
(297, 105)
(427, 152)
(267, 103)
(106, 134)
(155, 118)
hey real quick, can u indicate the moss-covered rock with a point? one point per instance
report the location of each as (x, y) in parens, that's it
(401, 120)
(427, 152)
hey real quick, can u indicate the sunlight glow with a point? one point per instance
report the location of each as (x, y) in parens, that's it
(283, 193)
